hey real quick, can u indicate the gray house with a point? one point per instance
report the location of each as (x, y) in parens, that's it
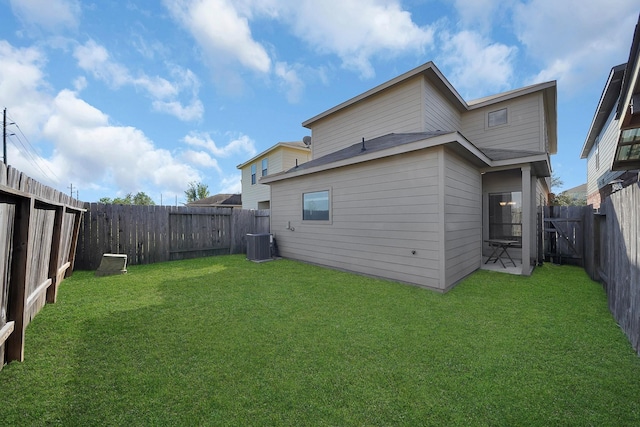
(410, 182)
(612, 147)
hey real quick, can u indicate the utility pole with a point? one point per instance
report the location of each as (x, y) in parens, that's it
(71, 188)
(4, 136)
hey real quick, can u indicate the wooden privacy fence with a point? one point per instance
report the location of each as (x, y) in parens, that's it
(564, 234)
(149, 234)
(612, 256)
(37, 252)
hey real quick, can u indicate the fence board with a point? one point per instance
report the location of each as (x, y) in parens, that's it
(148, 234)
(615, 260)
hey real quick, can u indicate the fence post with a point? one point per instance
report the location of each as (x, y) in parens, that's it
(19, 279)
(54, 259)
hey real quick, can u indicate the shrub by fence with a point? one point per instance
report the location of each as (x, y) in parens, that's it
(149, 234)
(36, 253)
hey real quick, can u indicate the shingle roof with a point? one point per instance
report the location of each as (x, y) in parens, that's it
(219, 200)
(501, 154)
(372, 145)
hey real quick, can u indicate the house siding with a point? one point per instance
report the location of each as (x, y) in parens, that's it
(601, 176)
(522, 132)
(384, 219)
(280, 159)
(462, 218)
(395, 110)
(439, 114)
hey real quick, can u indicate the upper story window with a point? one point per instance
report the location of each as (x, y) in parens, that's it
(597, 153)
(253, 174)
(265, 167)
(497, 118)
(316, 206)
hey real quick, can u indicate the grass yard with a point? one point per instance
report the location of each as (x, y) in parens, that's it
(224, 341)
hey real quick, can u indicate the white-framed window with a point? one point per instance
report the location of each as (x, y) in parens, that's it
(316, 206)
(253, 174)
(265, 167)
(497, 118)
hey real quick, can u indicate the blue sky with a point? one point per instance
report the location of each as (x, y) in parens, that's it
(117, 97)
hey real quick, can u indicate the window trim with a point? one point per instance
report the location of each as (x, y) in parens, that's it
(329, 192)
(488, 124)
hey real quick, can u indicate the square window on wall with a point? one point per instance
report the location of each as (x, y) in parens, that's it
(497, 118)
(316, 206)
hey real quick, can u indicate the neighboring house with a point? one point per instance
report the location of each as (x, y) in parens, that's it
(219, 201)
(612, 147)
(408, 180)
(280, 157)
(576, 196)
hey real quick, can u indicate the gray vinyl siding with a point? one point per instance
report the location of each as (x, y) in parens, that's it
(462, 218)
(603, 175)
(522, 132)
(397, 109)
(381, 212)
(439, 114)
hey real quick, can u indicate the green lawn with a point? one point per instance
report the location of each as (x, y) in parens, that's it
(224, 341)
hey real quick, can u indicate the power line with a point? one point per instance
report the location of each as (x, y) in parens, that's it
(30, 150)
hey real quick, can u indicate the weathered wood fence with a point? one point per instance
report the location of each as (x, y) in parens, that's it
(564, 236)
(37, 250)
(612, 237)
(150, 234)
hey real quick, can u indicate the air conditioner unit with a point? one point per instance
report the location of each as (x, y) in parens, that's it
(259, 247)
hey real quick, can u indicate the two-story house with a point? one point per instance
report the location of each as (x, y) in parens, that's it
(278, 158)
(612, 147)
(408, 181)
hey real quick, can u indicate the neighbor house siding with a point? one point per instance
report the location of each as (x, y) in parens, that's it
(252, 194)
(384, 219)
(439, 114)
(280, 159)
(290, 157)
(462, 218)
(522, 132)
(600, 176)
(395, 110)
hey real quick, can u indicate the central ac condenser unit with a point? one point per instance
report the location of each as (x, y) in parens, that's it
(259, 247)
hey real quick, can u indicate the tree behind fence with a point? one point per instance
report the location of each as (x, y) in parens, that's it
(149, 234)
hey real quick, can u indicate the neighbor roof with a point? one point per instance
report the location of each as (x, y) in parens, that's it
(219, 200)
(297, 145)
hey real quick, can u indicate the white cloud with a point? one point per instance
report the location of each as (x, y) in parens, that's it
(201, 159)
(90, 149)
(478, 67)
(96, 60)
(576, 41)
(222, 33)
(231, 184)
(291, 82)
(242, 145)
(22, 86)
(50, 14)
(357, 31)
